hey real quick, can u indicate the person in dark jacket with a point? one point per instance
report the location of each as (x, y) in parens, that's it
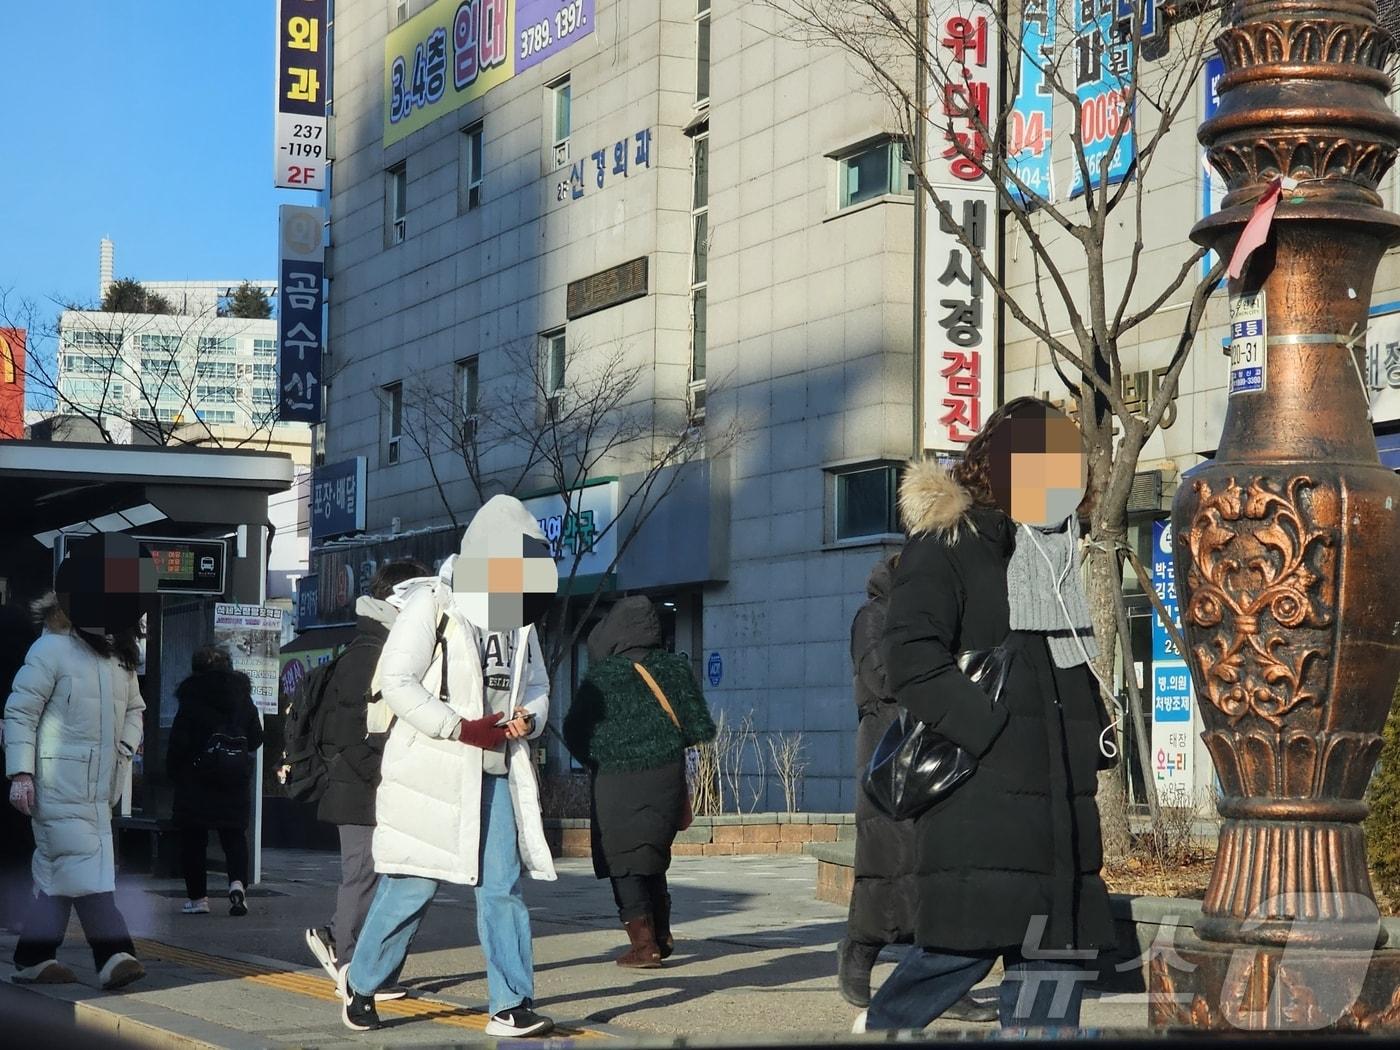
(634, 748)
(1008, 864)
(883, 899)
(210, 762)
(17, 634)
(352, 755)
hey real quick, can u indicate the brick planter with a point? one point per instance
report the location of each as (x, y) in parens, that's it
(730, 835)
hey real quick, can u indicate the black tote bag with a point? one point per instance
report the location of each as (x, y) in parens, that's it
(913, 766)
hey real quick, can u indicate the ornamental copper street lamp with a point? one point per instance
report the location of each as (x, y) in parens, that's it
(1288, 545)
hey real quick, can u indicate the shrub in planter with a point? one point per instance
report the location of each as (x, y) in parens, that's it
(1383, 823)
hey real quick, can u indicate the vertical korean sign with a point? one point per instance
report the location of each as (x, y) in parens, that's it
(1172, 732)
(1212, 185)
(300, 312)
(253, 636)
(303, 41)
(960, 321)
(1103, 59)
(1032, 114)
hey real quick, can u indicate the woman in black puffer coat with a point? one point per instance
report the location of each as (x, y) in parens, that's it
(884, 896)
(619, 730)
(1007, 865)
(210, 762)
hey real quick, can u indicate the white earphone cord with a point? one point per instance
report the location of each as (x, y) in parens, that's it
(1108, 748)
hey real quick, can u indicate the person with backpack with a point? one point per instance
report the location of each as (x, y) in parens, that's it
(210, 763)
(465, 678)
(337, 726)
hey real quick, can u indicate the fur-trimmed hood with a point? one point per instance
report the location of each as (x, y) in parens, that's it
(931, 502)
(47, 613)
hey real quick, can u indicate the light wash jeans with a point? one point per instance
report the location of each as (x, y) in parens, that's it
(502, 920)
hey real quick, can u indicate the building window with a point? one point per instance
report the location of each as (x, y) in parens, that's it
(555, 362)
(400, 12)
(864, 502)
(468, 389)
(265, 347)
(472, 163)
(561, 119)
(875, 170)
(393, 397)
(699, 260)
(702, 51)
(396, 204)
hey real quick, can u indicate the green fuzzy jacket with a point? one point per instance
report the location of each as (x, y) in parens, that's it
(615, 724)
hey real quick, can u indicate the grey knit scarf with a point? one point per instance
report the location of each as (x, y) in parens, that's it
(1044, 566)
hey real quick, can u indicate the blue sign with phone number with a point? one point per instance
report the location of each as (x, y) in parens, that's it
(1171, 680)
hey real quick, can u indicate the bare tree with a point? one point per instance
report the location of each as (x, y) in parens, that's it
(137, 373)
(534, 431)
(1090, 289)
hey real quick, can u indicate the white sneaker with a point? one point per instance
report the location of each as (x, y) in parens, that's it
(51, 971)
(121, 970)
(199, 907)
(322, 946)
(859, 1026)
(237, 899)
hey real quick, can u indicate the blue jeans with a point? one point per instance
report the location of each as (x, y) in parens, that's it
(502, 920)
(1035, 993)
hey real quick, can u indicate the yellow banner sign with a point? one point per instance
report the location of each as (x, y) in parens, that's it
(457, 50)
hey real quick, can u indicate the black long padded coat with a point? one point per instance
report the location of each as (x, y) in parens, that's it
(882, 902)
(352, 755)
(211, 702)
(1015, 852)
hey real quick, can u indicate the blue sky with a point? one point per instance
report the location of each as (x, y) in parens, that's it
(147, 121)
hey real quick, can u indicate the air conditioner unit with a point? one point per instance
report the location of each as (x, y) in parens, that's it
(561, 153)
(554, 406)
(469, 428)
(400, 230)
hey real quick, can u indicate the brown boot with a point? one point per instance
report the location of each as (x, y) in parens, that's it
(643, 954)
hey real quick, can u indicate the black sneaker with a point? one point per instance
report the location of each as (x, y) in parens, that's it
(518, 1022)
(359, 1013)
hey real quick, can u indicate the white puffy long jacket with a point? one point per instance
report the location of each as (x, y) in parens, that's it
(73, 720)
(428, 808)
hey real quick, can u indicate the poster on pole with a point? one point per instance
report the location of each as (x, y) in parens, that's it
(960, 337)
(1032, 113)
(252, 634)
(301, 149)
(1173, 746)
(1103, 62)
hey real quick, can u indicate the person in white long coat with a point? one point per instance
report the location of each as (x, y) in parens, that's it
(72, 724)
(463, 673)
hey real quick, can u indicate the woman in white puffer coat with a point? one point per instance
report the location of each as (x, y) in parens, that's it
(72, 723)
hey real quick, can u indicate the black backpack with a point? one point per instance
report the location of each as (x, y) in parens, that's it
(307, 775)
(225, 760)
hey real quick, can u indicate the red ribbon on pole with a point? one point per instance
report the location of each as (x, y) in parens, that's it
(1256, 230)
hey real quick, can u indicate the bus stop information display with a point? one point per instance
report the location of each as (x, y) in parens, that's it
(186, 566)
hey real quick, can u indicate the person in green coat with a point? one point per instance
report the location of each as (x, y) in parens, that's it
(620, 730)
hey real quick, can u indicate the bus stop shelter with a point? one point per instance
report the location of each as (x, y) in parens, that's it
(207, 506)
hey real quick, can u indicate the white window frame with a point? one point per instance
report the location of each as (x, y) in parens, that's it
(393, 393)
(473, 164)
(838, 475)
(396, 204)
(468, 396)
(702, 26)
(559, 143)
(699, 283)
(555, 383)
(898, 168)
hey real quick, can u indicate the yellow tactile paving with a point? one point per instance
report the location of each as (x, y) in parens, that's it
(317, 987)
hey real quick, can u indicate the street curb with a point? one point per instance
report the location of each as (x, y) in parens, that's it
(136, 1023)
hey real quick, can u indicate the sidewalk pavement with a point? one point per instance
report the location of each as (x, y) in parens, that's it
(755, 957)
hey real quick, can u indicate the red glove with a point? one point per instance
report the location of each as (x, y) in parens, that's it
(482, 732)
